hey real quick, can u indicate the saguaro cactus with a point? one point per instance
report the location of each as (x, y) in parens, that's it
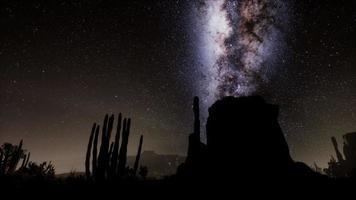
(110, 150)
(115, 153)
(103, 159)
(95, 152)
(103, 151)
(87, 158)
(137, 160)
(111, 161)
(123, 148)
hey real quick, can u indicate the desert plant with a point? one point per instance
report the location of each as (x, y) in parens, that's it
(123, 149)
(38, 171)
(137, 160)
(115, 153)
(87, 159)
(25, 160)
(10, 156)
(111, 161)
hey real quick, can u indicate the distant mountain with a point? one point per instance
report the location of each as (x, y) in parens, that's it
(70, 174)
(159, 165)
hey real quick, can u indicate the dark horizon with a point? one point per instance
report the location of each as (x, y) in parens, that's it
(64, 65)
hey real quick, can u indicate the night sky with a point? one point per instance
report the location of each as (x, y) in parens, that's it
(65, 64)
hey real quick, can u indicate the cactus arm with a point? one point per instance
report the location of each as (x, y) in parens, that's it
(23, 161)
(123, 149)
(138, 155)
(111, 149)
(115, 154)
(87, 158)
(95, 152)
(28, 158)
(103, 151)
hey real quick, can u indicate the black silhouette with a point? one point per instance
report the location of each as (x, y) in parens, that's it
(137, 160)
(43, 171)
(111, 162)
(10, 156)
(27, 173)
(244, 142)
(343, 167)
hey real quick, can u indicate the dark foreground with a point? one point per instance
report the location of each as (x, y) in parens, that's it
(172, 188)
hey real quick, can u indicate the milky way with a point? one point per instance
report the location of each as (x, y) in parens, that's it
(238, 42)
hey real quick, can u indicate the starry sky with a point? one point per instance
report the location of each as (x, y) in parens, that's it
(65, 64)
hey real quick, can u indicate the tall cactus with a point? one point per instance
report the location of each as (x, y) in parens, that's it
(103, 160)
(108, 146)
(123, 148)
(111, 148)
(95, 153)
(87, 158)
(103, 150)
(112, 158)
(138, 155)
(115, 153)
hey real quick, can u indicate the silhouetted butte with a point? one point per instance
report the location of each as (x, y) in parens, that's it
(244, 142)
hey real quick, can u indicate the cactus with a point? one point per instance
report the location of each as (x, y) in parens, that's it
(87, 158)
(23, 165)
(123, 148)
(25, 160)
(95, 152)
(108, 147)
(115, 153)
(111, 161)
(111, 149)
(103, 159)
(138, 155)
(15, 158)
(28, 159)
(338, 154)
(10, 156)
